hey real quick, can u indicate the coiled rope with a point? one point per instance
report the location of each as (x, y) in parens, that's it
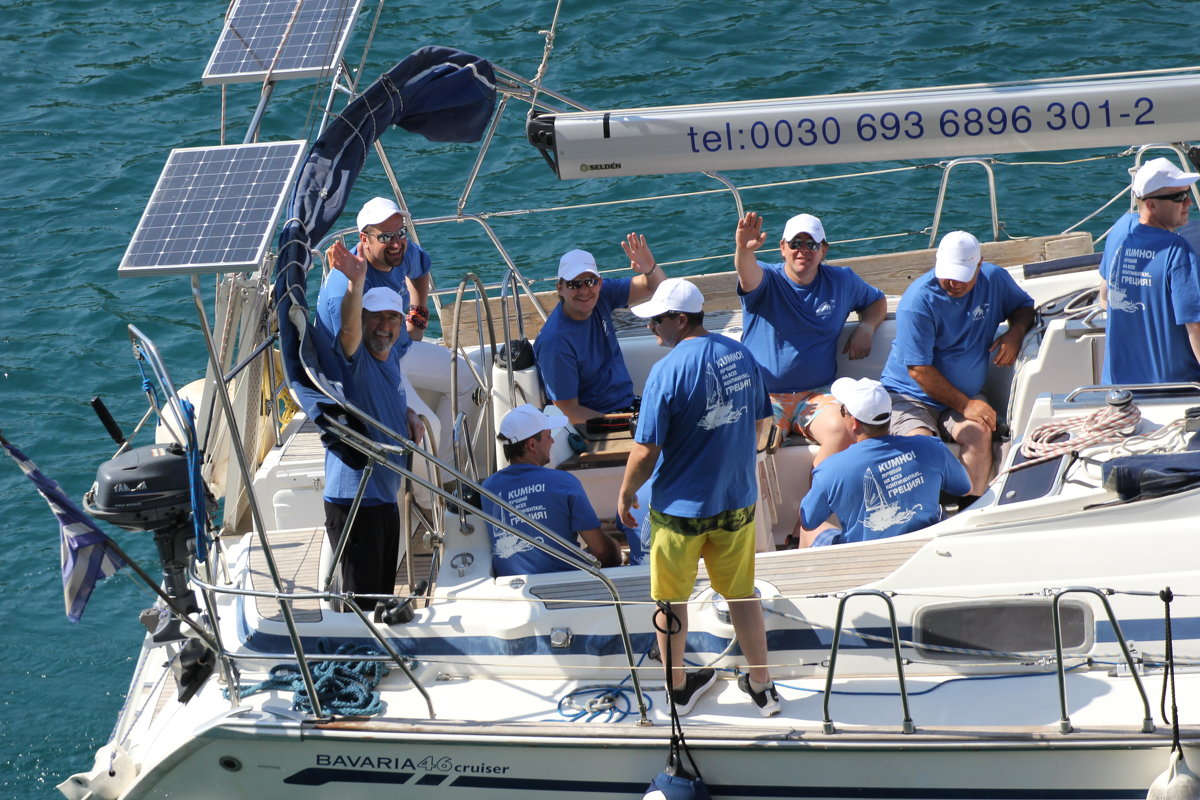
(1108, 424)
(345, 687)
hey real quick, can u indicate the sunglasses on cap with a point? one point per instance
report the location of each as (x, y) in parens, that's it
(1177, 197)
(388, 238)
(581, 283)
(804, 244)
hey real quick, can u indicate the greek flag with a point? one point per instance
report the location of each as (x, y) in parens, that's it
(87, 553)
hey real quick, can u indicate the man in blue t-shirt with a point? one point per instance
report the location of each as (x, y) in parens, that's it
(794, 313)
(393, 261)
(368, 360)
(1150, 283)
(881, 485)
(554, 500)
(945, 328)
(701, 411)
(577, 353)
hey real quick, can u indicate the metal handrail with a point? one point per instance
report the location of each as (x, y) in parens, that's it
(828, 726)
(986, 163)
(1064, 722)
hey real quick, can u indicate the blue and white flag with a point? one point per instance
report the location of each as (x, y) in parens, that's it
(87, 552)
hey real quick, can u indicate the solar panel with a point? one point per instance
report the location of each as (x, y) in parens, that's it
(281, 38)
(213, 209)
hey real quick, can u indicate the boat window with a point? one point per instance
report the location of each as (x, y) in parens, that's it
(1000, 629)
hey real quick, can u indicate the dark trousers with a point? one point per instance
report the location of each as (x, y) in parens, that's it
(368, 563)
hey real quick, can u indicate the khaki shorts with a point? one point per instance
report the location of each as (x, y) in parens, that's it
(909, 413)
(725, 542)
(795, 411)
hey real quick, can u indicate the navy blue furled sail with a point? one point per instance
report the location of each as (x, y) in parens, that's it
(443, 94)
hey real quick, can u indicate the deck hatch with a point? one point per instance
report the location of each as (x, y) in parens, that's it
(1001, 629)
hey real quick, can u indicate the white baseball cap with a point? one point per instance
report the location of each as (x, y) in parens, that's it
(958, 256)
(525, 421)
(574, 263)
(1159, 173)
(378, 209)
(381, 298)
(673, 294)
(865, 400)
(804, 223)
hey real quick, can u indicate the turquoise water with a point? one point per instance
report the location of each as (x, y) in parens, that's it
(95, 94)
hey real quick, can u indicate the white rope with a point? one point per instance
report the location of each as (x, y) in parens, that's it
(1108, 424)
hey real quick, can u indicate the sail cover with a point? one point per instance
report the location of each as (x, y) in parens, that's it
(443, 94)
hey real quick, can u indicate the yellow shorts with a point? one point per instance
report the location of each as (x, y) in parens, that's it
(795, 411)
(725, 542)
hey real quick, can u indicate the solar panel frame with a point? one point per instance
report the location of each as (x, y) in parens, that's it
(255, 29)
(214, 209)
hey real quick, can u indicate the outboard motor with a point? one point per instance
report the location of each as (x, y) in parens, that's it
(147, 489)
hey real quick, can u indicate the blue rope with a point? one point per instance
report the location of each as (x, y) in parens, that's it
(195, 457)
(613, 703)
(148, 386)
(346, 688)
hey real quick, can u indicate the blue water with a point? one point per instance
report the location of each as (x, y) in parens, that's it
(95, 94)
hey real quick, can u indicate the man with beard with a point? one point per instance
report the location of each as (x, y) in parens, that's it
(366, 352)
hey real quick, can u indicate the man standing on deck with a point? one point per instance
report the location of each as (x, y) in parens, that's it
(391, 260)
(1150, 284)
(704, 404)
(554, 499)
(365, 349)
(577, 353)
(881, 485)
(793, 314)
(945, 327)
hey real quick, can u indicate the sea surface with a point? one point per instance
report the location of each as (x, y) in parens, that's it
(95, 94)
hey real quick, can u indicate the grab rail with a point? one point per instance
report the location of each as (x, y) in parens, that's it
(1064, 722)
(828, 726)
(986, 163)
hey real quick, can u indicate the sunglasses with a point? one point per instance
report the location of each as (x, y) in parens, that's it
(581, 283)
(804, 244)
(388, 238)
(1178, 197)
(657, 319)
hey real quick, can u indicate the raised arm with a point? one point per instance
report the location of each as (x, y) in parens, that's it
(641, 261)
(354, 267)
(418, 288)
(747, 239)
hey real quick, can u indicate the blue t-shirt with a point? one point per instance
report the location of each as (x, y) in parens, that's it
(551, 498)
(581, 358)
(883, 487)
(1153, 280)
(376, 387)
(793, 330)
(701, 404)
(329, 302)
(951, 334)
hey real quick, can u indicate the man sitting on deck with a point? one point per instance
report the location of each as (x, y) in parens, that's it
(881, 485)
(577, 352)
(365, 349)
(554, 499)
(1150, 284)
(793, 314)
(945, 327)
